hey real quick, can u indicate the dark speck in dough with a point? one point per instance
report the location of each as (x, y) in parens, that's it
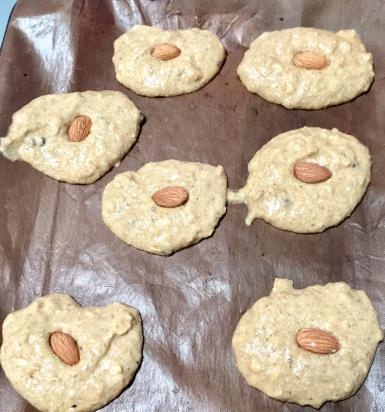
(287, 202)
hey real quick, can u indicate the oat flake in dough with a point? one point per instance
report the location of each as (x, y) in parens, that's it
(273, 193)
(269, 358)
(39, 134)
(130, 213)
(110, 342)
(202, 55)
(268, 70)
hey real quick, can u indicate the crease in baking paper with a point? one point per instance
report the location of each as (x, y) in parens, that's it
(42, 247)
(51, 38)
(127, 14)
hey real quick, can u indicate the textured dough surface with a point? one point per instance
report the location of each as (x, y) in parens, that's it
(39, 134)
(110, 342)
(268, 70)
(202, 55)
(274, 194)
(270, 359)
(131, 214)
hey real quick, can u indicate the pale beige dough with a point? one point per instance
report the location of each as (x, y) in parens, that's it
(268, 70)
(202, 55)
(269, 358)
(129, 211)
(110, 341)
(39, 134)
(274, 194)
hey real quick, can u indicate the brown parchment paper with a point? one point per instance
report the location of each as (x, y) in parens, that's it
(52, 238)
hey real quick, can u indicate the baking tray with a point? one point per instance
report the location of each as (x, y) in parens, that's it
(52, 237)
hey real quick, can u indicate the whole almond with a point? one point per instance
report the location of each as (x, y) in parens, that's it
(310, 60)
(165, 51)
(317, 341)
(65, 347)
(308, 172)
(171, 196)
(79, 128)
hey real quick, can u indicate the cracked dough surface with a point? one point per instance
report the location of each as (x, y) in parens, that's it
(39, 134)
(110, 343)
(269, 358)
(131, 214)
(268, 70)
(202, 55)
(273, 194)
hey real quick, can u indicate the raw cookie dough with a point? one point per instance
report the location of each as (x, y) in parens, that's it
(270, 359)
(129, 211)
(273, 193)
(268, 70)
(39, 134)
(202, 55)
(110, 343)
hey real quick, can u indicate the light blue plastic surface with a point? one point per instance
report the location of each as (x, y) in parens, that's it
(5, 10)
